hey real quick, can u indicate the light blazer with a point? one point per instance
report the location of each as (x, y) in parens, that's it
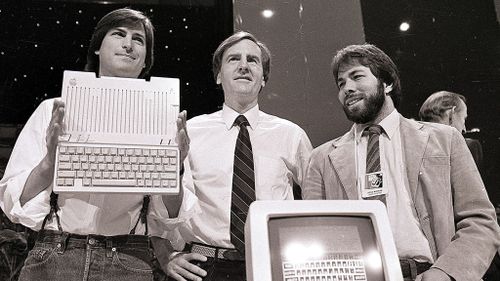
(452, 205)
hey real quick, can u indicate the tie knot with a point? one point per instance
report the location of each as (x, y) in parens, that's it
(241, 120)
(374, 130)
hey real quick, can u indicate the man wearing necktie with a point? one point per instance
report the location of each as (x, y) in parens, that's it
(443, 223)
(236, 155)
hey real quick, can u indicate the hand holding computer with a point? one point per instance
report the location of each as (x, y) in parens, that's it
(42, 175)
(182, 137)
(55, 129)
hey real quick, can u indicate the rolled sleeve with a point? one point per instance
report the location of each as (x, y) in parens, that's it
(163, 223)
(33, 212)
(29, 150)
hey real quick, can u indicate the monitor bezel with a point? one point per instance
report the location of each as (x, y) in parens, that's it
(258, 265)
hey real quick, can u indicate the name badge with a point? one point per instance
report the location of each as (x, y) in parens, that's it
(374, 185)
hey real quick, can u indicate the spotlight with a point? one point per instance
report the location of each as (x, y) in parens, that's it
(267, 13)
(404, 26)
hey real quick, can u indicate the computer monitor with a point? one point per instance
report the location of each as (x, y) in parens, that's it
(320, 240)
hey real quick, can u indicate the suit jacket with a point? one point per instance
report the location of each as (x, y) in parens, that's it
(452, 205)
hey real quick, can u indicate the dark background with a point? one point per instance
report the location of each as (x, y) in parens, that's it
(40, 39)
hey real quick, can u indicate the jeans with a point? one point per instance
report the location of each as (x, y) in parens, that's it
(62, 256)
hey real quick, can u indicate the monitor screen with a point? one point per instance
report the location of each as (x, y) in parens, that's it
(325, 240)
(323, 248)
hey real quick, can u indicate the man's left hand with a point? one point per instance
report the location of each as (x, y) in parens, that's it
(433, 274)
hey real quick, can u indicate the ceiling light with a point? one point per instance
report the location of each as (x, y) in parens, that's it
(267, 13)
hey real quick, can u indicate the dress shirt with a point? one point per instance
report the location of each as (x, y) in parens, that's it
(80, 213)
(409, 238)
(281, 151)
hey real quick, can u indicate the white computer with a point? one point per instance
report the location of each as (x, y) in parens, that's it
(120, 135)
(320, 240)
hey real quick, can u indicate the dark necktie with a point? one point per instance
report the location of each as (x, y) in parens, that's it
(373, 155)
(243, 184)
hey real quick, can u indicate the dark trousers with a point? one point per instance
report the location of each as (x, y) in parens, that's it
(223, 264)
(222, 270)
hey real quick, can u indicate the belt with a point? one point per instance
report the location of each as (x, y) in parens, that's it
(412, 268)
(71, 240)
(217, 252)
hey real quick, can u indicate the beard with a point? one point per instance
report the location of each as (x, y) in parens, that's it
(369, 111)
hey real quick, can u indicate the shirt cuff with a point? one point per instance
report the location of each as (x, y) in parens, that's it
(189, 208)
(34, 211)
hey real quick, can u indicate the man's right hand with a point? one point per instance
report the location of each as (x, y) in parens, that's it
(55, 129)
(42, 175)
(180, 267)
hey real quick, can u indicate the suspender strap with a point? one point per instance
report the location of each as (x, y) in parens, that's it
(143, 215)
(53, 211)
(54, 207)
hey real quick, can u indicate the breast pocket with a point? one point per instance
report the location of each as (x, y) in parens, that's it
(273, 179)
(435, 174)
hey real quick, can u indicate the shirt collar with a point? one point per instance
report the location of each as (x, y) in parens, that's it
(390, 125)
(229, 115)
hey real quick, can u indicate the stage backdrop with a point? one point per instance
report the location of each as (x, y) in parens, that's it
(303, 36)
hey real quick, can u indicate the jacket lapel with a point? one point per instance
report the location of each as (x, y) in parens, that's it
(342, 160)
(414, 142)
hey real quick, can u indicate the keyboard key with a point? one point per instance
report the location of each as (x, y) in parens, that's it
(64, 158)
(114, 182)
(64, 166)
(63, 149)
(66, 174)
(80, 150)
(60, 182)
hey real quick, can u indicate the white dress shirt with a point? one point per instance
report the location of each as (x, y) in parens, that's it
(104, 214)
(281, 152)
(409, 238)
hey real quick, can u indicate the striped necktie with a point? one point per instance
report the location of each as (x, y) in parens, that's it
(243, 192)
(373, 155)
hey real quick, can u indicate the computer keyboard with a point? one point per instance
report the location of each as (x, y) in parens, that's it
(333, 268)
(109, 168)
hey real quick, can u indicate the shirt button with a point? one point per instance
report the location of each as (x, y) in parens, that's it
(91, 241)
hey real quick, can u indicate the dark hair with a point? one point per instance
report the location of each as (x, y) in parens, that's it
(434, 107)
(380, 64)
(120, 17)
(232, 40)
